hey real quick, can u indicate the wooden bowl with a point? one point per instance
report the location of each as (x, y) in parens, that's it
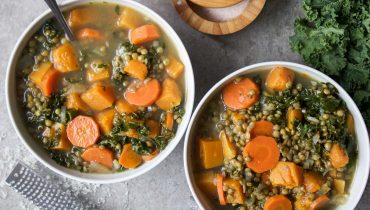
(250, 12)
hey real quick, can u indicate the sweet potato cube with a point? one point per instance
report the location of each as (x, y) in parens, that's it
(45, 78)
(122, 106)
(74, 102)
(302, 202)
(64, 143)
(175, 68)
(280, 79)
(171, 95)
(339, 185)
(129, 19)
(81, 17)
(65, 58)
(237, 195)
(206, 181)
(293, 115)
(338, 156)
(136, 69)
(145, 33)
(105, 120)
(211, 153)
(98, 97)
(312, 181)
(98, 71)
(228, 148)
(39, 72)
(286, 174)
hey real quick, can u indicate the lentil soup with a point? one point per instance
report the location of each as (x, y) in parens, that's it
(275, 140)
(108, 101)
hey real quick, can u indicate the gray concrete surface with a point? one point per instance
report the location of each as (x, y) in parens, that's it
(164, 187)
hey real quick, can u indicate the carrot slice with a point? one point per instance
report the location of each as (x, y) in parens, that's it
(278, 202)
(145, 33)
(83, 131)
(169, 120)
(338, 157)
(319, 202)
(102, 156)
(262, 128)
(145, 95)
(240, 94)
(49, 82)
(264, 152)
(89, 34)
(129, 158)
(151, 156)
(220, 189)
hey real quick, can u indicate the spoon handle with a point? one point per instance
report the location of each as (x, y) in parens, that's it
(60, 18)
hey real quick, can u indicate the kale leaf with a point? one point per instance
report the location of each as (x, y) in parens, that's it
(334, 36)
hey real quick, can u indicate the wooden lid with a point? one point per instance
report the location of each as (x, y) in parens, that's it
(215, 3)
(250, 12)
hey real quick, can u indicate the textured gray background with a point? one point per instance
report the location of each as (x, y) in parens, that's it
(266, 39)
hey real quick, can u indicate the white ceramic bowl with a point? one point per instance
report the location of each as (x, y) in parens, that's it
(362, 170)
(17, 119)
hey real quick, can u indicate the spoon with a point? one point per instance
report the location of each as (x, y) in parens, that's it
(215, 3)
(60, 18)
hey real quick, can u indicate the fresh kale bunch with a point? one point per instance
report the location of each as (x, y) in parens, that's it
(334, 37)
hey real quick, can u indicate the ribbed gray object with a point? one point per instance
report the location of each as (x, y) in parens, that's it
(40, 192)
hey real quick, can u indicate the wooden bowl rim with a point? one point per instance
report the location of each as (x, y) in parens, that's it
(249, 14)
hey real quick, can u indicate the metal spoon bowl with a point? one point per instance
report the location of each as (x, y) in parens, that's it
(60, 18)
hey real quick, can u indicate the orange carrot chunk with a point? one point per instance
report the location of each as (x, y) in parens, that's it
(220, 189)
(83, 131)
(145, 33)
(338, 157)
(240, 94)
(319, 202)
(278, 202)
(89, 34)
(129, 158)
(169, 120)
(145, 95)
(264, 152)
(102, 156)
(262, 128)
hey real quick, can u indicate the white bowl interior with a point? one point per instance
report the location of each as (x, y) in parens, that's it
(18, 120)
(362, 170)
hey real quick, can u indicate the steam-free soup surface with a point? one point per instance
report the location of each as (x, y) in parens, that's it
(109, 101)
(275, 140)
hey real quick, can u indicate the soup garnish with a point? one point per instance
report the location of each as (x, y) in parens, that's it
(276, 141)
(108, 101)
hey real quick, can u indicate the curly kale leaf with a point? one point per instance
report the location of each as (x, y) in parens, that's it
(334, 37)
